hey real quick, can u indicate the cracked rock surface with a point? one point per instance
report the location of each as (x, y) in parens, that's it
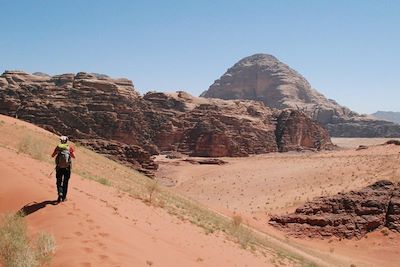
(346, 215)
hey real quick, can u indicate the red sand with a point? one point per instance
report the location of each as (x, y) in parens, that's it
(99, 226)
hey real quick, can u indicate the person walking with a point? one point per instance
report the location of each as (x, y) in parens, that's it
(63, 153)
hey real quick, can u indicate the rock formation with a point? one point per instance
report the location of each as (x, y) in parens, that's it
(215, 128)
(387, 116)
(263, 77)
(111, 117)
(346, 215)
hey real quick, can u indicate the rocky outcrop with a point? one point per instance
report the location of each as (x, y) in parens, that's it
(109, 116)
(294, 132)
(263, 77)
(346, 215)
(131, 155)
(387, 116)
(82, 107)
(217, 128)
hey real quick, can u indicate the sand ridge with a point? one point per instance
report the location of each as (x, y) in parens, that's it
(101, 226)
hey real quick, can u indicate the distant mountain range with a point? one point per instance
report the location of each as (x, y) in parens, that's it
(264, 78)
(388, 116)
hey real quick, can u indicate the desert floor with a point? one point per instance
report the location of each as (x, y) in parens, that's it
(101, 225)
(258, 186)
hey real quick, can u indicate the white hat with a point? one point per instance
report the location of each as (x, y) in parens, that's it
(63, 139)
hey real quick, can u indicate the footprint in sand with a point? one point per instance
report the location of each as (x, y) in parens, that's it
(88, 250)
(78, 234)
(100, 244)
(103, 234)
(103, 257)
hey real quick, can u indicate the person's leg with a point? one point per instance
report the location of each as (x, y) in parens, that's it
(59, 176)
(67, 175)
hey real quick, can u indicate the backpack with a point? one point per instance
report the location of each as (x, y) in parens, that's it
(63, 159)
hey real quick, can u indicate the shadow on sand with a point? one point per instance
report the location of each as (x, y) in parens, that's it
(35, 206)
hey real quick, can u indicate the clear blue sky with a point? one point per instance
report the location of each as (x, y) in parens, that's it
(348, 50)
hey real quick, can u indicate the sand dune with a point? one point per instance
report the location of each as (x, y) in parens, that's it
(101, 225)
(104, 225)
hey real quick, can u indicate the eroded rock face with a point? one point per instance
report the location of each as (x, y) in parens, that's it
(295, 132)
(346, 215)
(263, 77)
(111, 117)
(83, 107)
(216, 128)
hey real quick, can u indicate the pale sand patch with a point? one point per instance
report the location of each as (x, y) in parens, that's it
(276, 183)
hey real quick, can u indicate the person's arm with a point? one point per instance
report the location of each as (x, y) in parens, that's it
(71, 152)
(54, 152)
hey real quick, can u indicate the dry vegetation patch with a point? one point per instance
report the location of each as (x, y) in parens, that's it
(17, 250)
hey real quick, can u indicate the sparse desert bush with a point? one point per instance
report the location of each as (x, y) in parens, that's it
(152, 188)
(31, 146)
(385, 232)
(237, 221)
(45, 247)
(104, 181)
(15, 248)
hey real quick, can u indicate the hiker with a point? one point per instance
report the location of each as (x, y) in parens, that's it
(64, 152)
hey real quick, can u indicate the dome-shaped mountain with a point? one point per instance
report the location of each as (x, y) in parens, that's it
(264, 78)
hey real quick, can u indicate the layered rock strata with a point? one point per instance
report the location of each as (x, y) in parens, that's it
(346, 215)
(263, 77)
(111, 117)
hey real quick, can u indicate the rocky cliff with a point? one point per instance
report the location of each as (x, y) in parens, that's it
(346, 215)
(263, 77)
(388, 116)
(111, 117)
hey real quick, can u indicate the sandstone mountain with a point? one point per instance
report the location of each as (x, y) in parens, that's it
(264, 78)
(347, 215)
(111, 117)
(388, 116)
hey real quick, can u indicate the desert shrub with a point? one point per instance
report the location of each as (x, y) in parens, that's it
(45, 247)
(104, 181)
(236, 221)
(31, 146)
(152, 188)
(15, 247)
